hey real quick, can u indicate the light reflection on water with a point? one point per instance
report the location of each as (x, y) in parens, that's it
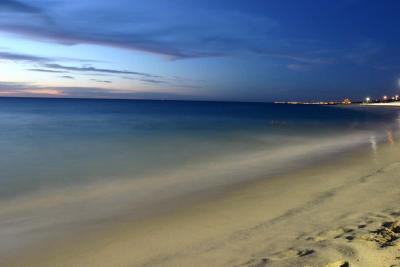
(389, 135)
(373, 143)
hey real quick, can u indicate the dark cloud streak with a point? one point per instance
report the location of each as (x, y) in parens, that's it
(48, 71)
(22, 57)
(153, 81)
(100, 81)
(18, 6)
(50, 67)
(217, 34)
(94, 69)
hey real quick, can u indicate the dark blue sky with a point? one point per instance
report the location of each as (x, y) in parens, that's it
(186, 49)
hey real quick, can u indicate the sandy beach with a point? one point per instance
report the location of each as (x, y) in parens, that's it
(343, 212)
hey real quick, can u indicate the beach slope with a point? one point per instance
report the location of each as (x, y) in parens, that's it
(344, 212)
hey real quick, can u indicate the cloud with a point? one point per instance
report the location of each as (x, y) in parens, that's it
(67, 77)
(299, 67)
(50, 67)
(100, 81)
(174, 81)
(29, 90)
(22, 57)
(307, 58)
(199, 31)
(362, 52)
(46, 70)
(153, 81)
(46, 92)
(13, 86)
(38, 59)
(18, 6)
(203, 33)
(94, 69)
(25, 89)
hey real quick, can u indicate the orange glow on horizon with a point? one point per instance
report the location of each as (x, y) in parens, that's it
(44, 92)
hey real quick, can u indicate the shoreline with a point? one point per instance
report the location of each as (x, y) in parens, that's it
(286, 221)
(389, 104)
(37, 220)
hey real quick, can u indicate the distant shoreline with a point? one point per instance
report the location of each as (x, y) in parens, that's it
(387, 104)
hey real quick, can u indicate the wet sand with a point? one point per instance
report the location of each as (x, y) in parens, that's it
(343, 212)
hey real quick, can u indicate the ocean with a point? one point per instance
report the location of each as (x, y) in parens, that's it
(69, 162)
(63, 142)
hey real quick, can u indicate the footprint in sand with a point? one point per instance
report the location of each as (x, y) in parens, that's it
(257, 262)
(305, 252)
(330, 234)
(382, 228)
(395, 213)
(345, 251)
(292, 253)
(338, 264)
(280, 256)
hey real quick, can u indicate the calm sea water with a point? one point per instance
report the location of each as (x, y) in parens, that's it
(64, 142)
(68, 165)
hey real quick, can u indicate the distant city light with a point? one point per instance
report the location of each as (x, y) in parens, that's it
(385, 97)
(367, 99)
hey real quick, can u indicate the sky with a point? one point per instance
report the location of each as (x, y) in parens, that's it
(234, 50)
